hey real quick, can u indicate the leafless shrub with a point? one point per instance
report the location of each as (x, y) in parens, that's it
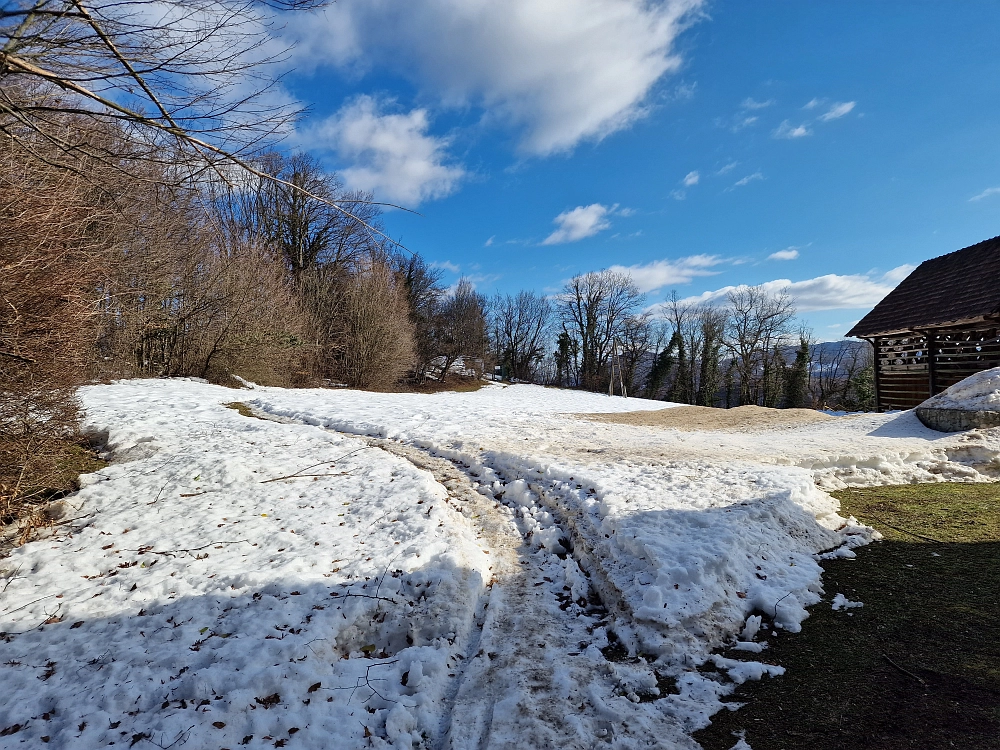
(52, 225)
(372, 338)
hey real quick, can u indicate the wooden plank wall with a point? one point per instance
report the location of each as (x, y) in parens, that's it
(905, 362)
(903, 374)
(959, 354)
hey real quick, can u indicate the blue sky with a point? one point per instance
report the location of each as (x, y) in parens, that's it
(828, 146)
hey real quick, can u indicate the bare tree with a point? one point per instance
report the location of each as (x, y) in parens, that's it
(520, 332)
(759, 325)
(422, 285)
(53, 227)
(567, 358)
(595, 306)
(460, 327)
(187, 84)
(841, 375)
(634, 343)
(191, 73)
(664, 350)
(712, 322)
(301, 216)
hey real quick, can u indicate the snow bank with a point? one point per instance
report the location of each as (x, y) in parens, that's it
(976, 393)
(202, 603)
(270, 577)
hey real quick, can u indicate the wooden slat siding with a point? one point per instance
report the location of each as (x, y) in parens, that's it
(964, 353)
(904, 365)
(903, 372)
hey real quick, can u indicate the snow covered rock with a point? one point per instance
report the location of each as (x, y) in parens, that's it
(973, 402)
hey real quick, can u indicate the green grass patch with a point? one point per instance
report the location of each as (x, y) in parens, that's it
(919, 665)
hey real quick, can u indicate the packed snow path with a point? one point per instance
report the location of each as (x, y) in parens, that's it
(538, 677)
(478, 570)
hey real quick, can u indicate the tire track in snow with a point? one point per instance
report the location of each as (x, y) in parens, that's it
(535, 676)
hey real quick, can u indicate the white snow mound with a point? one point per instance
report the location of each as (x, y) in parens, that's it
(979, 392)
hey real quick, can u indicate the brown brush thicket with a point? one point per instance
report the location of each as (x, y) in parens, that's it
(53, 226)
(372, 343)
(185, 299)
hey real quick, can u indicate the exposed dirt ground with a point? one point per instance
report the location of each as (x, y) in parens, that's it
(694, 418)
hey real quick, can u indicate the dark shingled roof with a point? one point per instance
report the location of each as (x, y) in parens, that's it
(956, 287)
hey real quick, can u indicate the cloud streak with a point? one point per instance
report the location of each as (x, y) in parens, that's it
(747, 180)
(828, 292)
(838, 110)
(789, 253)
(788, 131)
(660, 273)
(985, 194)
(750, 103)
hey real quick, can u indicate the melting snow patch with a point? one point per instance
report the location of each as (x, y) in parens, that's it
(842, 602)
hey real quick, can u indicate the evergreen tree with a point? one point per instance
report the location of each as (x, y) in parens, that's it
(797, 377)
(663, 363)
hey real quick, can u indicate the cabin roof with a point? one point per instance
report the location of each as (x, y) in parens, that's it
(960, 287)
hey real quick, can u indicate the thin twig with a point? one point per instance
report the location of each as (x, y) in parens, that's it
(904, 671)
(775, 617)
(26, 67)
(313, 466)
(12, 611)
(17, 357)
(172, 552)
(293, 476)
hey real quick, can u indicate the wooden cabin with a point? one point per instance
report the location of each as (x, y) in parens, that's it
(940, 325)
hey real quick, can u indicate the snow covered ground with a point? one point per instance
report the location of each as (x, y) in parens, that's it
(458, 570)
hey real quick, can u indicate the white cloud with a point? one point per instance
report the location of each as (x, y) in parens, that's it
(789, 253)
(985, 194)
(839, 109)
(489, 242)
(750, 103)
(727, 168)
(678, 195)
(389, 154)
(787, 130)
(446, 265)
(660, 273)
(747, 180)
(691, 178)
(829, 292)
(813, 103)
(564, 71)
(898, 273)
(581, 222)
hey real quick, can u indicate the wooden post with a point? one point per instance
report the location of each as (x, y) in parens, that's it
(876, 368)
(611, 380)
(932, 353)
